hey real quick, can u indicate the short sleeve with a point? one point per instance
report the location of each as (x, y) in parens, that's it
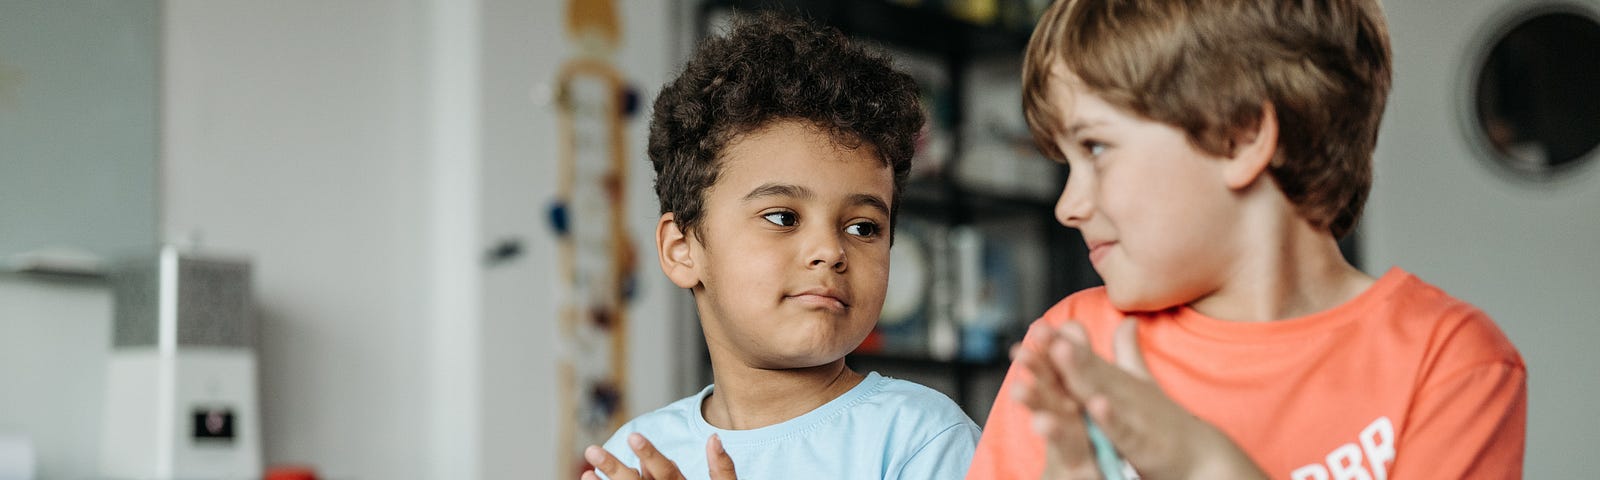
(1468, 417)
(946, 456)
(1471, 424)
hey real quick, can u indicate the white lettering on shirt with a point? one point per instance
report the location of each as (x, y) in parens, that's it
(1376, 445)
(1313, 471)
(1345, 462)
(1377, 440)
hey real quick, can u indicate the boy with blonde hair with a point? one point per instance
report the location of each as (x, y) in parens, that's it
(1218, 149)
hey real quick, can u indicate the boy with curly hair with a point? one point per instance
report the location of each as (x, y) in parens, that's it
(1218, 148)
(780, 152)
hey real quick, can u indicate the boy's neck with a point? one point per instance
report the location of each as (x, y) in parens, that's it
(746, 397)
(1291, 270)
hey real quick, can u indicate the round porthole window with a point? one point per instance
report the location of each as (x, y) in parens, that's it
(1535, 95)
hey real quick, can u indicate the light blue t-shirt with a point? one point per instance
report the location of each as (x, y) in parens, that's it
(883, 428)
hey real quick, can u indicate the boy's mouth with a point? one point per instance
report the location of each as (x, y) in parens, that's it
(1098, 250)
(822, 297)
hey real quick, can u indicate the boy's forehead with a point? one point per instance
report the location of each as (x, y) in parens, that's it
(1067, 97)
(794, 130)
(791, 152)
(788, 139)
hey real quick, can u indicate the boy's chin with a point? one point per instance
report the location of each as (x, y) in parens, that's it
(1134, 300)
(795, 363)
(805, 358)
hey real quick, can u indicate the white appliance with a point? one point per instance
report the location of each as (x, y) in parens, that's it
(16, 457)
(181, 399)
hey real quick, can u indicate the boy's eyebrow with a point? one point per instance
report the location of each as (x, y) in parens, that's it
(799, 192)
(778, 190)
(870, 200)
(1078, 126)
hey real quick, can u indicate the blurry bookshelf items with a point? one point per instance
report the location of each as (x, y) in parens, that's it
(1015, 14)
(903, 324)
(957, 292)
(1003, 161)
(181, 390)
(597, 263)
(943, 343)
(999, 156)
(934, 142)
(989, 296)
(910, 274)
(979, 12)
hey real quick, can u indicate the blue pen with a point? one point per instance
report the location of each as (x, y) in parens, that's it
(1105, 454)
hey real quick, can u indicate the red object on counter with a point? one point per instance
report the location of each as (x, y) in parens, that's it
(290, 473)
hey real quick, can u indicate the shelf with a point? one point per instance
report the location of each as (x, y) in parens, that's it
(919, 28)
(940, 198)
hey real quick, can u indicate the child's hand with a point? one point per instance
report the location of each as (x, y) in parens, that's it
(653, 465)
(1057, 415)
(1160, 438)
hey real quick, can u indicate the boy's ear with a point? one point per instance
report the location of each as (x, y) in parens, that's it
(672, 247)
(1253, 150)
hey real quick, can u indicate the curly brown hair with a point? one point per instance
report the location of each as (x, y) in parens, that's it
(771, 68)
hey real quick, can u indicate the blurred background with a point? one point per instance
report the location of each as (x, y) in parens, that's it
(413, 239)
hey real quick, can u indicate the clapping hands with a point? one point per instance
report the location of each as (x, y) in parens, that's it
(653, 465)
(1156, 435)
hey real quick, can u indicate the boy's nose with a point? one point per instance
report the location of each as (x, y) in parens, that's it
(1075, 205)
(827, 252)
(836, 265)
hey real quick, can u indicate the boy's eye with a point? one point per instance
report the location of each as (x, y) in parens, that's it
(1094, 148)
(863, 229)
(782, 219)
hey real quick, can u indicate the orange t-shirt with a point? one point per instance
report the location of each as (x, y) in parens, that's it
(1403, 381)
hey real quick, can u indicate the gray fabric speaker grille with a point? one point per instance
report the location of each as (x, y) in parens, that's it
(214, 304)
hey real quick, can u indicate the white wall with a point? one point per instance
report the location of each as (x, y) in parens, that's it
(365, 154)
(1524, 252)
(293, 134)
